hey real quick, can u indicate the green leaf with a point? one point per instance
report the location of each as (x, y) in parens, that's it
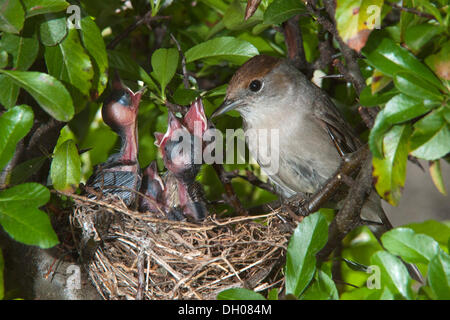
(51, 95)
(415, 86)
(399, 109)
(239, 294)
(322, 288)
(53, 29)
(24, 49)
(436, 176)
(394, 274)
(439, 275)
(14, 125)
(9, 92)
(431, 137)
(355, 20)
(437, 230)
(308, 238)
(390, 172)
(418, 36)
(411, 247)
(368, 99)
(69, 62)
(26, 169)
(273, 294)
(184, 96)
(12, 16)
(35, 7)
(390, 58)
(164, 64)
(125, 64)
(233, 18)
(95, 46)
(281, 10)
(3, 58)
(21, 218)
(65, 170)
(224, 48)
(440, 62)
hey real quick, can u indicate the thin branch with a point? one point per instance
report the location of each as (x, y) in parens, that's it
(317, 200)
(147, 19)
(183, 63)
(349, 217)
(231, 196)
(411, 10)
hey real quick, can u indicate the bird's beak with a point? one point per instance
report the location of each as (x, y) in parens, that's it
(226, 106)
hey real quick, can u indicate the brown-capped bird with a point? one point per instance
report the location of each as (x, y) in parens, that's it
(271, 93)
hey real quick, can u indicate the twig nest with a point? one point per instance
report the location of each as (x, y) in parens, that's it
(132, 255)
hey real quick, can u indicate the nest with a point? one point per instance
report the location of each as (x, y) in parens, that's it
(132, 255)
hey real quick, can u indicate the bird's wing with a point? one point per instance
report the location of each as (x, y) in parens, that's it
(337, 128)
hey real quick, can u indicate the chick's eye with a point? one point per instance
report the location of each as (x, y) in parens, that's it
(255, 85)
(125, 99)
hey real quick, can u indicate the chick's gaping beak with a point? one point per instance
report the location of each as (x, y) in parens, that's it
(226, 106)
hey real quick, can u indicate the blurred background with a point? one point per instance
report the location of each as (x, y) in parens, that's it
(421, 200)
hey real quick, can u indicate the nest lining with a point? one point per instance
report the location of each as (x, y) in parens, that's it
(146, 257)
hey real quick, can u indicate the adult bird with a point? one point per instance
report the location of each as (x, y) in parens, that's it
(271, 94)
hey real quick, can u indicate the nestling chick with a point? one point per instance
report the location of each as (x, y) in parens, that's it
(153, 188)
(270, 93)
(120, 174)
(181, 148)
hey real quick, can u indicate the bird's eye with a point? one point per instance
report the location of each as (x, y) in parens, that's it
(125, 99)
(255, 85)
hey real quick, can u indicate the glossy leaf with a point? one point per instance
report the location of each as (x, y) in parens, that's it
(224, 48)
(399, 109)
(356, 19)
(14, 125)
(24, 49)
(9, 92)
(53, 29)
(368, 99)
(439, 275)
(69, 62)
(95, 45)
(390, 58)
(414, 86)
(35, 7)
(394, 274)
(12, 16)
(51, 95)
(436, 176)
(437, 230)
(322, 288)
(418, 36)
(239, 294)
(281, 10)
(410, 246)
(21, 218)
(308, 238)
(126, 65)
(390, 171)
(440, 62)
(164, 64)
(233, 18)
(65, 170)
(431, 137)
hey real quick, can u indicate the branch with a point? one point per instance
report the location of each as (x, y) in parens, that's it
(349, 217)
(147, 19)
(183, 63)
(411, 10)
(349, 165)
(231, 196)
(294, 44)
